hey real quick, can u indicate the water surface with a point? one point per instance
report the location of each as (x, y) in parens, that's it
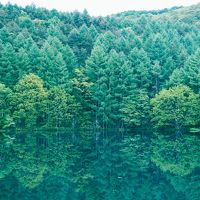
(98, 165)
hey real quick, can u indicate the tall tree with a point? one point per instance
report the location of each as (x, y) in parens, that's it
(135, 109)
(62, 109)
(8, 65)
(81, 85)
(53, 67)
(5, 112)
(95, 70)
(192, 71)
(141, 65)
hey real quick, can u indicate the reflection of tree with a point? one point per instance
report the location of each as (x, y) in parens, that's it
(122, 169)
(35, 155)
(135, 163)
(80, 166)
(141, 180)
(189, 185)
(179, 156)
(5, 156)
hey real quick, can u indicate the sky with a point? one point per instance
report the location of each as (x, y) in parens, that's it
(103, 7)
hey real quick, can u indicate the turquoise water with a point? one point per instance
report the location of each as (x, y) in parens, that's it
(87, 165)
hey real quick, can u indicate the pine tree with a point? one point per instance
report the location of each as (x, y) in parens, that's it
(53, 67)
(141, 65)
(120, 84)
(23, 40)
(157, 49)
(81, 41)
(107, 41)
(95, 70)
(156, 77)
(62, 108)
(81, 85)
(9, 71)
(70, 60)
(34, 55)
(5, 112)
(23, 62)
(192, 71)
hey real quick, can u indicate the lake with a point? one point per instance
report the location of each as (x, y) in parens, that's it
(98, 165)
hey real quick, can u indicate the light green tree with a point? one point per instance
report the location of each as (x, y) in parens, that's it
(62, 108)
(135, 109)
(176, 107)
(29, 101)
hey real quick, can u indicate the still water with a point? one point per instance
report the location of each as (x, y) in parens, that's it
(98, 165)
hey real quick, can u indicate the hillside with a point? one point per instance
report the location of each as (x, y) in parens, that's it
(189, 14)
(145, 12)
(102, 71)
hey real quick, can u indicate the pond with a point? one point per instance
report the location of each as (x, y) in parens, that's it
(98, 165)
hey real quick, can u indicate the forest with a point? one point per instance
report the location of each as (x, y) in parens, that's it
(121, 94)
(121, 71)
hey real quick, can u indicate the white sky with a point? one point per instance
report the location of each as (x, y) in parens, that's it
(103, 7)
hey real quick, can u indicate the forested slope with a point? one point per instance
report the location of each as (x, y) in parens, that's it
(185, 14)
(71, 69)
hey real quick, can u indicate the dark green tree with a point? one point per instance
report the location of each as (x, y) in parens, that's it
(5, 112)
(53, 68)
(9, 71)
(141, 65)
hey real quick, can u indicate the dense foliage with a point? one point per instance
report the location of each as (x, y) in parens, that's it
(72, 70)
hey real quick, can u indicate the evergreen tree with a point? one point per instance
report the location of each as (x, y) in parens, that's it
(53, 67)
(81, 41)
(141, 65)
(156, 76)
(70, 59)
(5, 113)
(62, 108)
(34, 55)
(120, 86)
(8, 65)
(81, 90)
(23, 40)
(107, 41)
(95, 70)
(157, 49)
(192, 71)
(23, 62)
(136, 109)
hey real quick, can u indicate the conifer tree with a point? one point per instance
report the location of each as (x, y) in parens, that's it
(62, 108)
(141, 65)
(9, 71)
(53, 67)
(192, 71)
(95, 70)
(5, 112)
